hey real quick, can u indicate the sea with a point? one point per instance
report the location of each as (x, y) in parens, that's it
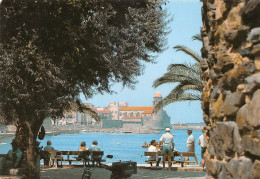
(123, 146)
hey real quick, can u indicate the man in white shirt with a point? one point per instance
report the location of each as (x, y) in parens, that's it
(167, 148)
(190, 142)
(94, 147)
(153, 148)
(201, 142)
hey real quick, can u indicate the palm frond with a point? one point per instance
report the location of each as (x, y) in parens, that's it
(185, 67)
(178, 73)
(190, 84)
(173, 97)
(172, 78)
(78, 106)
(187, 76)
(188, 51)
(197, 37)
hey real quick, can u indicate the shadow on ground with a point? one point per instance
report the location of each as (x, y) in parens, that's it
(100, 173)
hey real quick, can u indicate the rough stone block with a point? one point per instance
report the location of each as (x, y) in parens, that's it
(256, 170)
(253, 117)
(225, 139)
(215, 167)
(248, 99)
(254, 35)
(252, 82)
(216, 108)
(251, 145)
(212, 74)
(215, 94)
(236, 37)
(232, 103)
(257, 63)
(250, 13)
(220, 9)
(256, 50)
(240, 168)
(241, 88)
(241, 118)
(236, 76)
(204, 64)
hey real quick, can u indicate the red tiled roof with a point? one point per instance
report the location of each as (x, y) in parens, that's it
(102, 111)
(134, 108)
(147, 112)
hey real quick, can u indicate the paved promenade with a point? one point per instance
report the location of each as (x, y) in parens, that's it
(101, 173)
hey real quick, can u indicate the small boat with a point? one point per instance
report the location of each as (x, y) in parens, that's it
(145, 145)
(127, 132)
(2, 143)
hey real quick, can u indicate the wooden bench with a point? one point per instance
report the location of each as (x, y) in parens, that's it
(175, 154)
(77, 156)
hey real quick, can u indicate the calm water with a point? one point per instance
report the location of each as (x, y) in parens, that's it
(129, 147)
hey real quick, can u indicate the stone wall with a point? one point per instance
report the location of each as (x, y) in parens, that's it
(231, 94)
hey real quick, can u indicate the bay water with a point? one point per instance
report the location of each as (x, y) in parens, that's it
(123, 146)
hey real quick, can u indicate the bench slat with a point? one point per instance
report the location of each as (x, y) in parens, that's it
(175, 154)
(186, 154)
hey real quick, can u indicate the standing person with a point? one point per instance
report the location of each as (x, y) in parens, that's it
(153, 148)
(190, 142)
(201, 142)
(167, 142)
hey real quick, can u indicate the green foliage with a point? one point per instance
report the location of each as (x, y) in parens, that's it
(53, 50)
(188, 79)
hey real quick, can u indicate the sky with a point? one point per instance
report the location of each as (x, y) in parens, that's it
(186, 23)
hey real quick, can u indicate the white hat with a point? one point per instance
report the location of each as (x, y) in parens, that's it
(168, 129)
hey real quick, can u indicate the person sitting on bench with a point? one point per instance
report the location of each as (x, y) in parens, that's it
(13, 158)
(45, 153)
(94, 147)
(83, 146)
(153, 148)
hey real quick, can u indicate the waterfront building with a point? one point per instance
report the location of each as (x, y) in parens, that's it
(114, 107)
(119, 114)
(143, 116)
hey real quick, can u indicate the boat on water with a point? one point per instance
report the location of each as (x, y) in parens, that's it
(2, 143)
(145, 145)
(127, 132)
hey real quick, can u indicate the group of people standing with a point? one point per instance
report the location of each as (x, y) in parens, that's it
(166, 145)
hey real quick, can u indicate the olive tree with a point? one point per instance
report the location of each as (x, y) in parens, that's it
(51, 51)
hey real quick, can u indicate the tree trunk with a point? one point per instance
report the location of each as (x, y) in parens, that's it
(26, 136)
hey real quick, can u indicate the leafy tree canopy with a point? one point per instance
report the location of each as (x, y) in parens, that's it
(53, 50)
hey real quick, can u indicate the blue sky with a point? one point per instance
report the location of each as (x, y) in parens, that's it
(186, 23)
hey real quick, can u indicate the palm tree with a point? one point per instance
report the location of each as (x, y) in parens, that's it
(187, 76)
